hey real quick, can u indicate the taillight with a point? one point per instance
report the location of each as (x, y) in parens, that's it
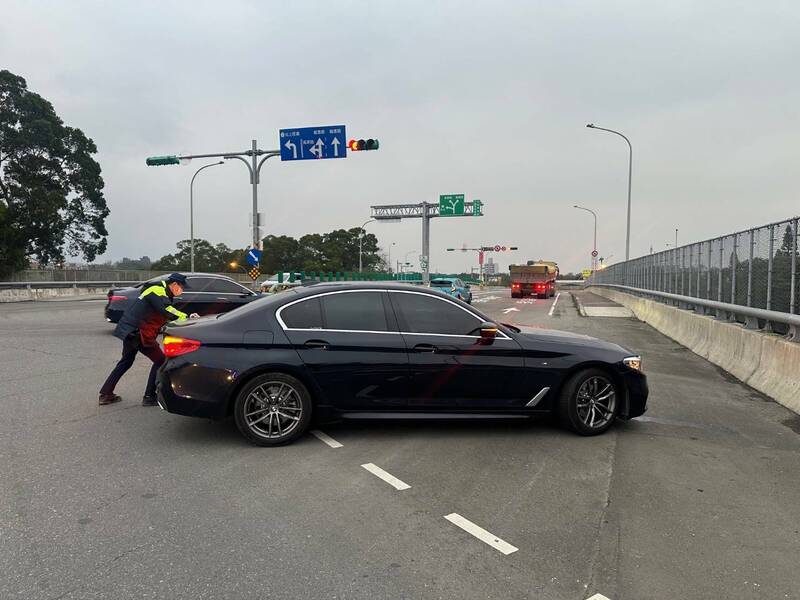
(175, 346)
(115, 298)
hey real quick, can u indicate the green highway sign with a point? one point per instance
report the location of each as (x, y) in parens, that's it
(158, 161)
(477, 208)
(451, 205)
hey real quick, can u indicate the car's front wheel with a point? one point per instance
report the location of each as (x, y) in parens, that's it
(273, 409)
(589, 402)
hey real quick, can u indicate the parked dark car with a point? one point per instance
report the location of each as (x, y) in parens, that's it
(208, 294)
(365, 351)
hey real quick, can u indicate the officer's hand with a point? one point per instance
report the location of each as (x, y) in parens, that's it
(194, 316)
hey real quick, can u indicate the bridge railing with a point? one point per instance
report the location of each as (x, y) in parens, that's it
(756, 268)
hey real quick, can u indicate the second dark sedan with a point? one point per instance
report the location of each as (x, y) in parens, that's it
(366, 351)
(207, 294)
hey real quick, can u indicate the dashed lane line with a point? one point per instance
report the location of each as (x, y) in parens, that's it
(553, 307)
(326, 438)
(480, 533)
(387, 477)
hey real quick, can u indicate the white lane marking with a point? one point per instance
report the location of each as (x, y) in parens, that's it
(598, 597)
(552, 308)
(480, 533)
(508, 310)
(387, 477)
(326, 438)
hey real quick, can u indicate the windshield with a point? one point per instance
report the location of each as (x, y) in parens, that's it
(441, 283)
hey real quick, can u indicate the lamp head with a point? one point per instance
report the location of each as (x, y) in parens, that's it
(590, 125)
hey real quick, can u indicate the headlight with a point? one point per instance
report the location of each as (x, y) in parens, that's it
(634, 362)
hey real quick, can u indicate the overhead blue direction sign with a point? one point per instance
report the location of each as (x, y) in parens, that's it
(253, 256)
(311, 143)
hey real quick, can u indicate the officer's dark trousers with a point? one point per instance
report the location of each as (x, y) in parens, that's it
(130, 346)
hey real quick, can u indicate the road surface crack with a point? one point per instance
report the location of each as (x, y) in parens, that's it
(601, 526)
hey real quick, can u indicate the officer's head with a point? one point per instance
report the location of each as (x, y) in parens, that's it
(176, 283)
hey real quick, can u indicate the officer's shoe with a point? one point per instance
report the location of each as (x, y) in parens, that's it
(149, 401)
(108, 399)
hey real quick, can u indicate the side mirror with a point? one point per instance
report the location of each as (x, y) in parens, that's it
(488, 333)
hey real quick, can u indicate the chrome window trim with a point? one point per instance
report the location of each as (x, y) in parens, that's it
(384, 291)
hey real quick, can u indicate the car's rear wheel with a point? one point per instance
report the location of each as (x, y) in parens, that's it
(273, 409)
(589, 402)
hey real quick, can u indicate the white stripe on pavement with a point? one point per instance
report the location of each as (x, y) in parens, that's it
(598, 597)
(388, 478)
(326, 438)
(552, 308)
(480, 533)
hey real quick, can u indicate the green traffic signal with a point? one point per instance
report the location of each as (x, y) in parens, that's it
(158, 161)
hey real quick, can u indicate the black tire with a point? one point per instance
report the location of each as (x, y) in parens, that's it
(261, 398)
(516, 295)
(589, 383)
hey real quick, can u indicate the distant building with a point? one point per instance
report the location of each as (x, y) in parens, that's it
(490, 267)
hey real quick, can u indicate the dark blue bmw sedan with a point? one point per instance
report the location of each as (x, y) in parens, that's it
(370, 351)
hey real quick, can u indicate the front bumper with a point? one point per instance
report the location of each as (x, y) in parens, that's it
(636, 386)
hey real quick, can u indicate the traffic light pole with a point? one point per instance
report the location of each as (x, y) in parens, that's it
(253, 166)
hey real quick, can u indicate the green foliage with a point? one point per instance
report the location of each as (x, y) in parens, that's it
(336, 251)
(50, 186)
(207, 257)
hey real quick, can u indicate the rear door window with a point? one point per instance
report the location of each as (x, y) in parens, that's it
(355, 311)
(225, 286)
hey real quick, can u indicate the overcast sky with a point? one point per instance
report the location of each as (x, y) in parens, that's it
(489, 99)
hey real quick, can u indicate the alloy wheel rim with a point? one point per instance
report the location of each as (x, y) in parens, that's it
(597, 401)
(273, 409)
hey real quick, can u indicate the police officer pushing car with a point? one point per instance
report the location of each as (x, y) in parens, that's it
(138, 329)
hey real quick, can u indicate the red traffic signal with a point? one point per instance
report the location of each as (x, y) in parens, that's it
(358, 145)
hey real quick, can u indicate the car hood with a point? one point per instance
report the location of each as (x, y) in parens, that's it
(536, 336)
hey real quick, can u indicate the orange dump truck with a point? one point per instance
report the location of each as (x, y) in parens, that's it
(537, 278)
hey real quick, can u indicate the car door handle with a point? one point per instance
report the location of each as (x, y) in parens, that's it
(425, 348)
(223, 299)
(320, 344)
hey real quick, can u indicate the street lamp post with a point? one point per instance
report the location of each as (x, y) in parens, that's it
(630, 173)
(360, 240)
(594, 245)
(191, 211)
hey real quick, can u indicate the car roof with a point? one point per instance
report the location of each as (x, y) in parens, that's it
(332, 286)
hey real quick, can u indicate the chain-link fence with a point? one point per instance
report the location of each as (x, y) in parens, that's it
(758, 268)
(79, 275)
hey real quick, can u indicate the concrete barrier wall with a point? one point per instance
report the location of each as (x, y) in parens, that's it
(33, 293)
(764, 361)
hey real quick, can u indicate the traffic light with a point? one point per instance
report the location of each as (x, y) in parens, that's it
(358, 145)
(159, 161)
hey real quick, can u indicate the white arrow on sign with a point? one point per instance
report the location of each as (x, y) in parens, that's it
(289, 145)
(335, 143)
(316, 149)
(508, 310)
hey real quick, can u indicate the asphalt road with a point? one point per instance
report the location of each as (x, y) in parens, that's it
(700, 498)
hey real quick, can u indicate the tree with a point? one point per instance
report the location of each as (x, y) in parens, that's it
(50, 186)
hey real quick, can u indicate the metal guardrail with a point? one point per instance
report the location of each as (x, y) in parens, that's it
(18, 285)
(754, 318)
